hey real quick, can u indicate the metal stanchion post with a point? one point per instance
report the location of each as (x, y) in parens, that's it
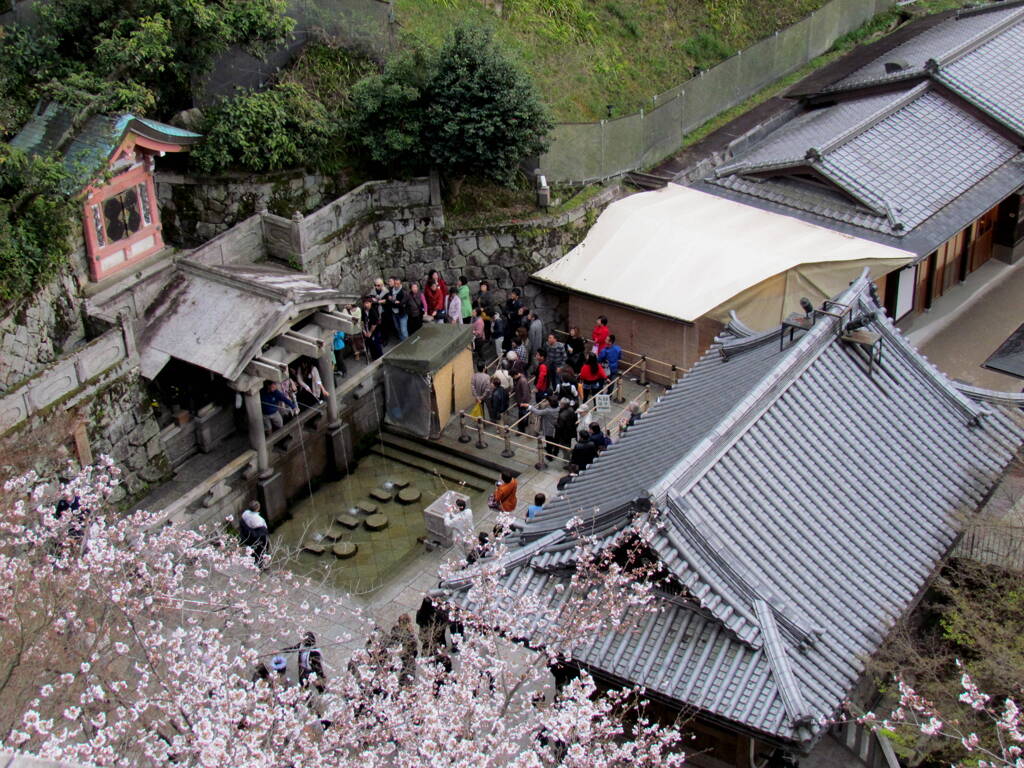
(463, 435)
(643, 370)
(507, 453)
(647, 397)
(617, 397)
(480, 434)
(541, 462)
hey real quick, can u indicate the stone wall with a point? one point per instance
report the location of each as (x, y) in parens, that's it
(38, 331)
(403, 233)
(194, 209)
(109, 416)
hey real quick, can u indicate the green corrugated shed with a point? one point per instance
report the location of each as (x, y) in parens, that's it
(430, 348)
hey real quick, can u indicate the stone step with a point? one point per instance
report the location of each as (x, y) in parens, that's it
(487, 463)
(452, 467)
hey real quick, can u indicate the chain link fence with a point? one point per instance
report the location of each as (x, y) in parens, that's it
(365, 26)
(586, 152)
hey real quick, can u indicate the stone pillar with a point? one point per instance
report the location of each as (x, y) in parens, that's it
(269, 484)
(257, 438)
(325, 364)
(339, 437)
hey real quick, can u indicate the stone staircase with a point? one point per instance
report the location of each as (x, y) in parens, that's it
(431, 456)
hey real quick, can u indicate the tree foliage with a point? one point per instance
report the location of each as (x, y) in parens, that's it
(466, 109)
(162, 45)
(129, 643)
(37, 218)
(970, 622)
(283, 127)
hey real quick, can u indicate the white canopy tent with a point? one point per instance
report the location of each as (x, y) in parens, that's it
(685, 254)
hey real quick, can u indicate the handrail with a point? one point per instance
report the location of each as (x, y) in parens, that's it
(539, 442)
(671, 376)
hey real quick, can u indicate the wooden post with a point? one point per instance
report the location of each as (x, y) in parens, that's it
(257, 438)
(480, 434)
(541, 459)
(463, 435)
(507, 453)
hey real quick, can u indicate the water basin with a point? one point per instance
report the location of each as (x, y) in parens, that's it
(381, 554)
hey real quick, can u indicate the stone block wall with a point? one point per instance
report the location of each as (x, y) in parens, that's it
(195, 209)
(37, 332)
(408, 239)
(110, 415)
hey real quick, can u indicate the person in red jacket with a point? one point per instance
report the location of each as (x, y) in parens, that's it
(593, 377)
(542, 386)
(435, 295)
(600, 334)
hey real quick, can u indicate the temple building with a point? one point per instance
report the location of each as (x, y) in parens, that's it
(805, 483)
(112, 158)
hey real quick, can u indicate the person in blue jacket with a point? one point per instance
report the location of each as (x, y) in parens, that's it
(610, 356)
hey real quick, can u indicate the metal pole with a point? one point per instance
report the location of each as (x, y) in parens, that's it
(507, 452)
(541, 463)
(618, 390)
(643, 370)
(675, 375)
(480, 434)
(647, 398)
(463, 436)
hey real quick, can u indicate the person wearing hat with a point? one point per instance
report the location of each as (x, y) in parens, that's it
(279, 664)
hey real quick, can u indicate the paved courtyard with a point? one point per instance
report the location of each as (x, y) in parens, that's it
(967, 325)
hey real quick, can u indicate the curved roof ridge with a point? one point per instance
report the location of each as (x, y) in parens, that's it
(785, 680)
(898, 344)
(993, 396)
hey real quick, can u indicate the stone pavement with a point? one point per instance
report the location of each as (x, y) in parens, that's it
(970, 322)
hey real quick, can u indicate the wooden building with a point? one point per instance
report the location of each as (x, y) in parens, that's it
(667, 267)
(112, 160)
(912, 144)
(796, 510)
(918, 148)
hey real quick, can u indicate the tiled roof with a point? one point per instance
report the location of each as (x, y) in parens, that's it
(802, 503)
(891, 151)
(94, 142)
(936, 42)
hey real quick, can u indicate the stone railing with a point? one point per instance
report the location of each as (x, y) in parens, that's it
(67, 375)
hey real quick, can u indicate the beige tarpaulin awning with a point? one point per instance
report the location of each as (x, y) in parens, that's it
(685, 254)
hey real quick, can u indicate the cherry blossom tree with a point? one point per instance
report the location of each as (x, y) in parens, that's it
(125, 642)
(1001, 747)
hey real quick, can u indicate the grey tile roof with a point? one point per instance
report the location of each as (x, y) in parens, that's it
(920, 157)
(937, 42)
(92, 145)
(898, 150)
(813, 128)
(803, 504)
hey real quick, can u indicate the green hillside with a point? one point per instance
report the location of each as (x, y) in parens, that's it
(588, 54)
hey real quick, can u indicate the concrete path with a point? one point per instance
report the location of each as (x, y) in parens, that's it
(970, 322)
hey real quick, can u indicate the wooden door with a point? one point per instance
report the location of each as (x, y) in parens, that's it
(951, 254)
(981, 241)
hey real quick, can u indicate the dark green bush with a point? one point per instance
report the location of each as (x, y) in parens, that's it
(280, 128)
